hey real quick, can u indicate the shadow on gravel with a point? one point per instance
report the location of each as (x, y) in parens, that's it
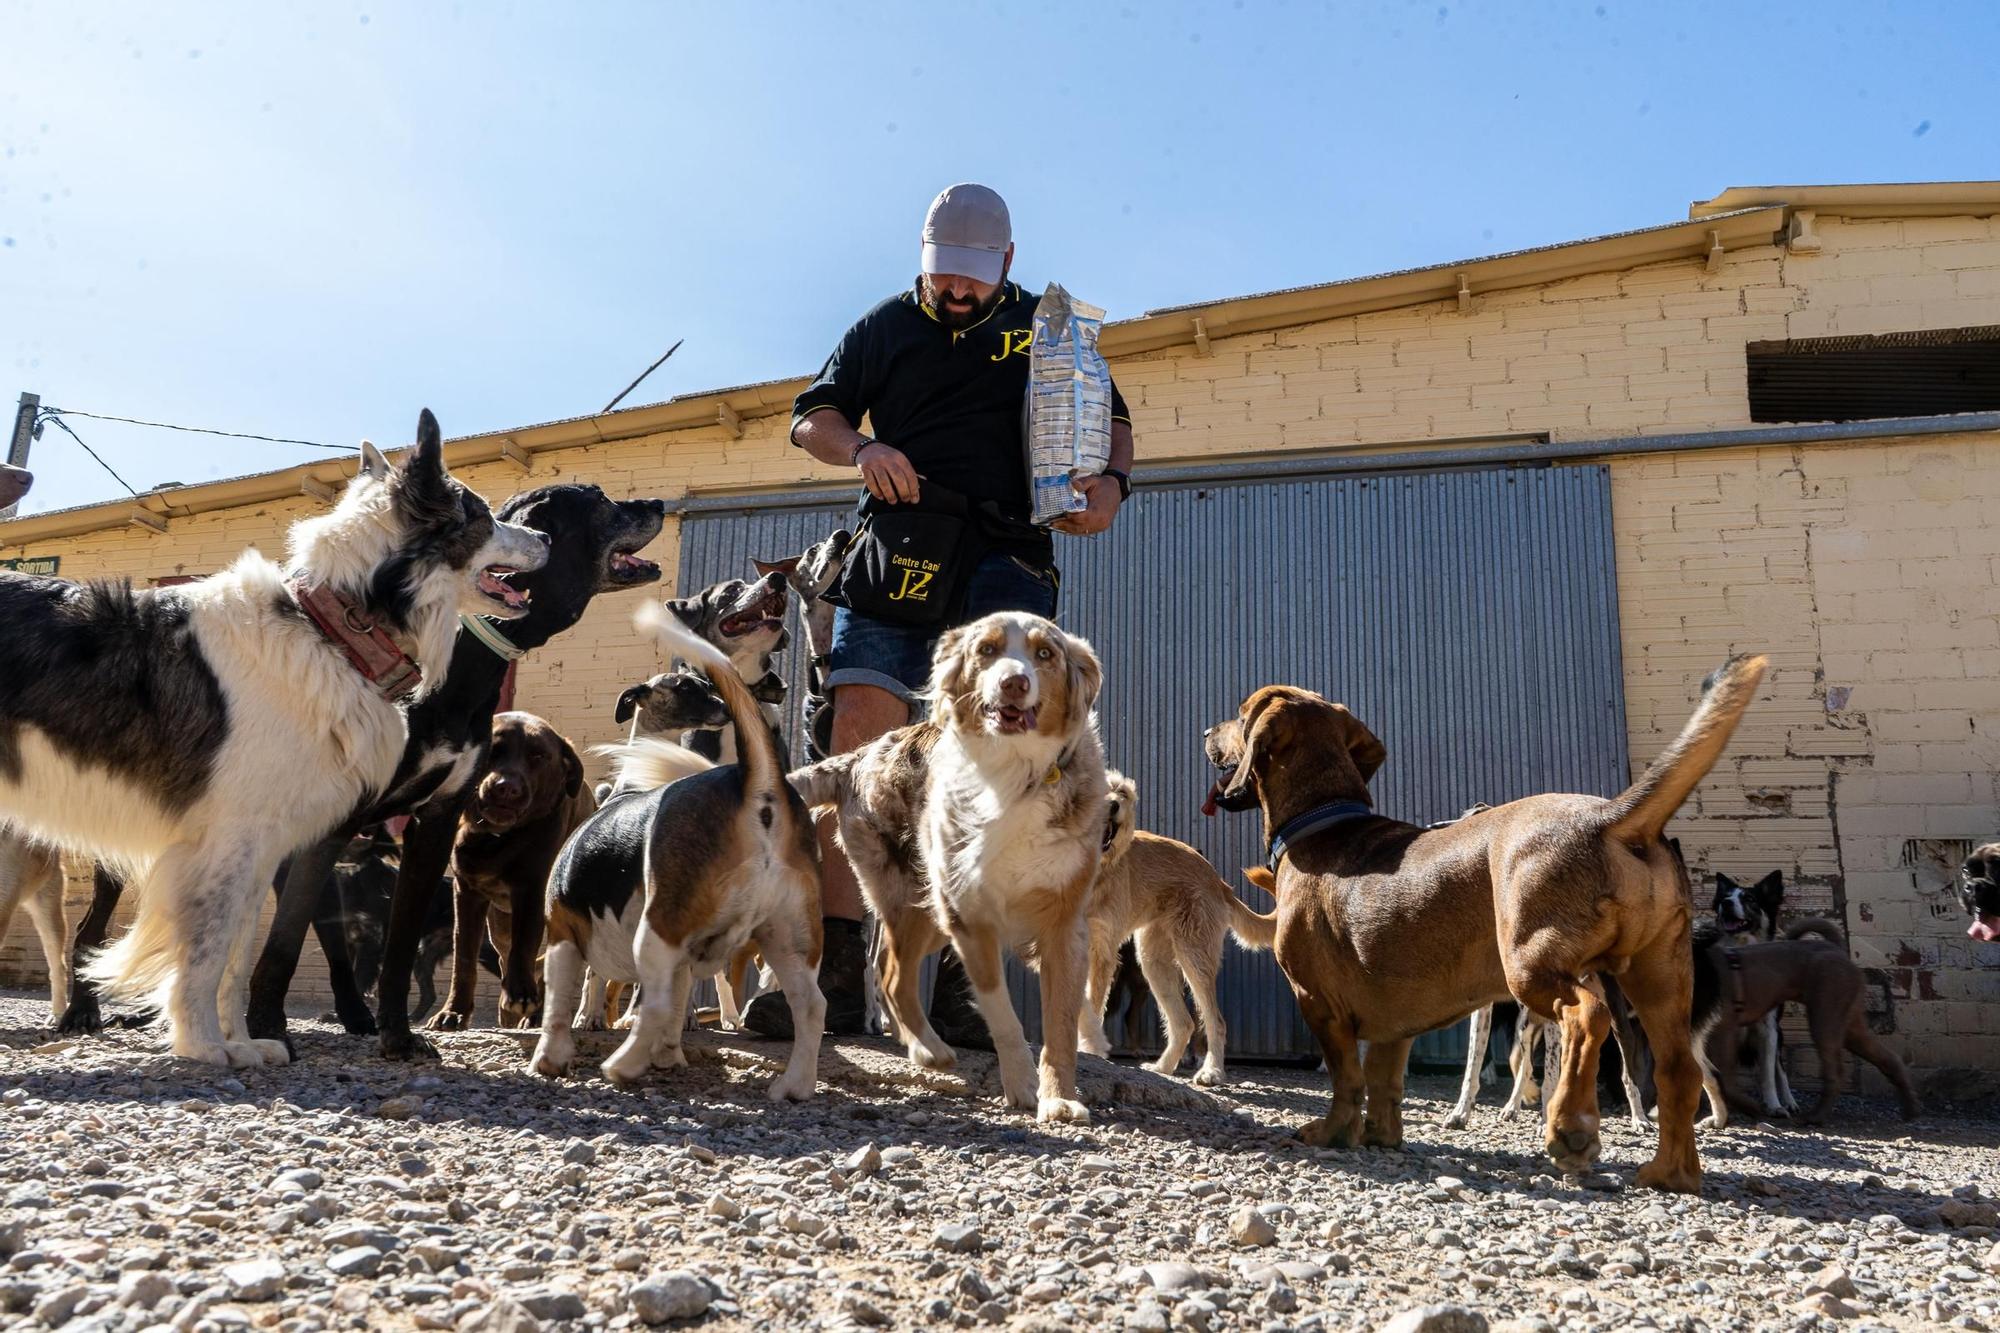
(870, 1093)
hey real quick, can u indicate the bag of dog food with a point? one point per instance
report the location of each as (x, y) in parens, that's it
(1069, 404)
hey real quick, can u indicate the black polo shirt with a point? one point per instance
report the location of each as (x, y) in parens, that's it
(951, 400)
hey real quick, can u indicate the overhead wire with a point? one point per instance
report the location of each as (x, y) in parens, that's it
(50, 414)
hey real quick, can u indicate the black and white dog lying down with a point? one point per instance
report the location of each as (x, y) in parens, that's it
(194, 735)
(592, 545)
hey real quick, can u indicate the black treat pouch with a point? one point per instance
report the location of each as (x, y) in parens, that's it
(908, 564)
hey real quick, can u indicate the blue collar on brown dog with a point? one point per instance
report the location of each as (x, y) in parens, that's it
(1312, 821)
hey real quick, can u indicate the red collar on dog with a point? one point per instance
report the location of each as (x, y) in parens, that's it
(368, 647)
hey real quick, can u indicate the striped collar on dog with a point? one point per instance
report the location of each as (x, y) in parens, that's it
(368, 647)
(488, 633)
(1312, 821)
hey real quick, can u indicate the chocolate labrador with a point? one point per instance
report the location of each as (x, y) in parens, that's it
(530, 799)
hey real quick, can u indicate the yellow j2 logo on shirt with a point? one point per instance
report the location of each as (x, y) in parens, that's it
(1013, 342)
(916, 587)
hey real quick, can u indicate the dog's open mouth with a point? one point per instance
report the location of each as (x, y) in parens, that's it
(767, 613)
(494, 586)
(1009, 720)
(1985, 928)
(1209, 806)
(625, 567)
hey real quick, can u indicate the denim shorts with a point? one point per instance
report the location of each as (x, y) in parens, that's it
(897, 658)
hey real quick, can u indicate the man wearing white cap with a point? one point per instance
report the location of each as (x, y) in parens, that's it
(941, 373)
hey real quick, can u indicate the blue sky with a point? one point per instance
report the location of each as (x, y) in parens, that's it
(311, 220)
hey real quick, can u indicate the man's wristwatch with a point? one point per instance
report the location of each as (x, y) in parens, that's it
(1124, 482)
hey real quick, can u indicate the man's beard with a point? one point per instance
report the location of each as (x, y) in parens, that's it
(934, 300)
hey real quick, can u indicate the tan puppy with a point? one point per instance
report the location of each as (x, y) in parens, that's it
(31, 873)
(1166, 893)
(983, 825)
(1387, 930)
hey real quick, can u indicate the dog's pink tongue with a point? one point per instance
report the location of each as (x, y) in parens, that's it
(1985, 929)
(1214, 790)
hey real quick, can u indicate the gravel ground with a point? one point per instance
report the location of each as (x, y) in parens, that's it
(347, 1192)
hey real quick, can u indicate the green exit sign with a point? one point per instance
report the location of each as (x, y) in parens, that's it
(34, 564)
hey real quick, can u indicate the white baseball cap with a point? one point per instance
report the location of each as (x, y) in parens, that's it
(967, 232)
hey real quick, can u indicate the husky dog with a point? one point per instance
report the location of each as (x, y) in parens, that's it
(194, 735)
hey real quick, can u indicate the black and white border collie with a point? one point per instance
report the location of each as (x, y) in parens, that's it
(194, 735)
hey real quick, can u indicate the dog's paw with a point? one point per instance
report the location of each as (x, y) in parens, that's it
(357, 1022)
(1457, 1119)
(625, 1067)
(926, 1058)
(1574, 1148)
(243, 1054)
(275, 1052)
(447, 1020)
(1672, 1177)
(1019, 1099)
(1061, 1110)
(1208, 1076)
(1319, 1134)
(203, 1053)
(553, 1055)
(788, 1089)
(670, 1057)
(1164, 1068)
(406, 1046)
(1094, 1046)
(82, 1018)
(1375, 1134)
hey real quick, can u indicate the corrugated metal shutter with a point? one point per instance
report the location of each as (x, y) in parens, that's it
(1470, 618)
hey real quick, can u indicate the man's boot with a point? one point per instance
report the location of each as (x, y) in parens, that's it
(843, 980)
(954, 1013)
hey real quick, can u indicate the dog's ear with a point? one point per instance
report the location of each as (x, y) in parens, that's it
(688, 609)
(427, 458)
(1771, 886)
(770, 567)
(1723, 884)
(572, 769)
(373, 463)
(948, 665)
(1086, 677)
(630, 700)
(422, 489)
(1259, 729)
(1362, 745)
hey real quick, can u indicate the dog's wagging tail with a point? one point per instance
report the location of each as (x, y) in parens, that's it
(1637, 817)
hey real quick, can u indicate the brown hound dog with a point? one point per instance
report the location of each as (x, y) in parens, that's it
(531, 798)
(1387, 930)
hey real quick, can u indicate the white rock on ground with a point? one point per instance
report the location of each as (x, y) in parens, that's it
(349, 1192)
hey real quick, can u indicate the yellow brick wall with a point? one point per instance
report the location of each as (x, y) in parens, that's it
(1866, 572)
(1855, 566)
